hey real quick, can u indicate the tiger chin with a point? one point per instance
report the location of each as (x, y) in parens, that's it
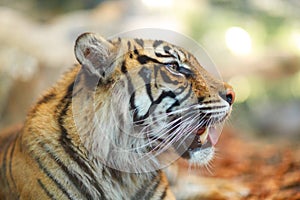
(101, 132)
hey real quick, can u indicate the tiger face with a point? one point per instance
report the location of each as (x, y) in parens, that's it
(160, 97)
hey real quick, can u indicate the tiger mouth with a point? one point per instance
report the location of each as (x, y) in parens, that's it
(205, 137)
(201, 138)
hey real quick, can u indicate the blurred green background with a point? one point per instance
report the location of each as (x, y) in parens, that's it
(255, 45)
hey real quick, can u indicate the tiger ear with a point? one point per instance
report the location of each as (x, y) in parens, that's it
(95, 54)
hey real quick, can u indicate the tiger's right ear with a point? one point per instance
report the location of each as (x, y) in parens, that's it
(95, 54)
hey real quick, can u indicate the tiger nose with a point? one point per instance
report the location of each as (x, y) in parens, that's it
(228, 95)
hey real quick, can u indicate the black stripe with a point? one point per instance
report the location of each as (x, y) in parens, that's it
(43, 100)
(132, 98)
(129, 45)
(211, 101)
(3, 167)
(181, 89)
(186, 72)
(49, 175)
(135, 51)
(51, 196)
(153, 189)
(130, 89)
(146, 73)
(144, 190)
(143, 59)
(212, 108)
(167, 49)
(72, 177)
(133, 107)
(154, 104)
(67, 143)
(156, 69)
(187, 95)
(140, 42)
(164, 56)
(124, 68)
(149, 92)
(176, 103)
(115, 174)
(20, 138)
(163, 95)
(68, 95)
(156, 43)
(10, 162)
(46, 98)
(82, 163)
(110, 41)
(140, 120)
(200, 99)
(6, 170)
(164, 194)
(167, 79)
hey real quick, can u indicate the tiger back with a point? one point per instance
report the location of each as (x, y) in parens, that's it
(102, 131)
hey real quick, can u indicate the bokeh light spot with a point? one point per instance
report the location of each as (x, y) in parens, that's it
(296, 40)
(238, 41)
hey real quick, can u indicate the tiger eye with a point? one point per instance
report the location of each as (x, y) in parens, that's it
(187, 72)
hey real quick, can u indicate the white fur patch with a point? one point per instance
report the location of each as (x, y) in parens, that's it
(202, 156)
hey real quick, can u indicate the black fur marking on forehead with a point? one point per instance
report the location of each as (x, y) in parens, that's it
(143, 59)
(156, 43)
(139, 42)
(129, 45)
(167, 49)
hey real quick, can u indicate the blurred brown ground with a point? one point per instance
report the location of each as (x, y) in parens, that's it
(270, 169)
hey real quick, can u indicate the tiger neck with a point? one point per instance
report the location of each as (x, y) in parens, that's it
(104, 144)
(103, 126)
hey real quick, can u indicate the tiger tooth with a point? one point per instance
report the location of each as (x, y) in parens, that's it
(203, 137)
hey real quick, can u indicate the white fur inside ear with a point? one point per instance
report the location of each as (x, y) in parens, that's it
(94, 53)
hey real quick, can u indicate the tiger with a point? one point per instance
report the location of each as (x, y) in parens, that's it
(101, 131)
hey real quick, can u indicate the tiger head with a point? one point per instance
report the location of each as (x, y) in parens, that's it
(150, 96)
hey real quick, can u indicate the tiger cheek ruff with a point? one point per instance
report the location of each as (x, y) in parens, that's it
(102, 130)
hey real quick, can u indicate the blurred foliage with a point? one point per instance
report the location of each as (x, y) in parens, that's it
(44, 10)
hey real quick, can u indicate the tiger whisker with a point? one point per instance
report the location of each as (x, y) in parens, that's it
(159, 134)
(175, 136)
(158, 119)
